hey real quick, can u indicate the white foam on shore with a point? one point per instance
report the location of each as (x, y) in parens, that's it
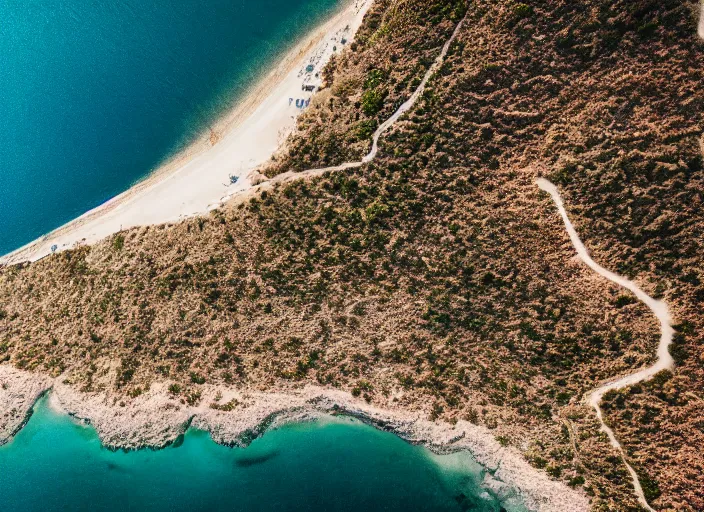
(198, 180)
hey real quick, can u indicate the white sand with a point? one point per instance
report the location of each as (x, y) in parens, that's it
(198, 179)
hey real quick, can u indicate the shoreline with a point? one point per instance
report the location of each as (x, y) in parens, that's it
(196, 179)
(157, 419)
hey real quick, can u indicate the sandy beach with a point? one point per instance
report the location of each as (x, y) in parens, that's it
(199, 178)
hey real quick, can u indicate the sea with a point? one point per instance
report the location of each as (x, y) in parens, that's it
(56, 463)
(95, 95)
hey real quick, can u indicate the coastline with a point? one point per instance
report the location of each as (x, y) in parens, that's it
(196, 179)
(156, 419)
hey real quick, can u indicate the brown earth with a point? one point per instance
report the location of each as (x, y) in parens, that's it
(438, 277)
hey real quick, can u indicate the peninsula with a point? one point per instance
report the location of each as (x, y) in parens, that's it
(387, 254)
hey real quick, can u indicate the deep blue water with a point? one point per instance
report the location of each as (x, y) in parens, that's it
(95, 94)
(340, 464)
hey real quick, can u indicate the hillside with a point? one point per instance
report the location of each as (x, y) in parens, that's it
(438, 278)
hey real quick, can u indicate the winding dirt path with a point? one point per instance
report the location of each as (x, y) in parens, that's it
(408, 104)
(659, 309)
(405, 107)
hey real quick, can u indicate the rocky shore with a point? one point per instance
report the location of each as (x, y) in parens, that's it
(19, 391)
(235, 417)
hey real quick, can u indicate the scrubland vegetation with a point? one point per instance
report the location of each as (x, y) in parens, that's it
(438, 278)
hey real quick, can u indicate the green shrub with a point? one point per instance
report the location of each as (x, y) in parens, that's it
(677, 349)
(625, 300)
(197, 379)
(538, 461)
(118, 242)
(126, 371)
(373, 101)
(438, 409)
(193, 397)
(554, 471)
(376, 211)
(521, 11)
(374, 79)
(575, 481)
(651, 489)
(365, 129)
(229, 406)
(648, 29)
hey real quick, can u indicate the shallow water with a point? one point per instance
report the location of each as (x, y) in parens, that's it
(339, 464)
(94, 95)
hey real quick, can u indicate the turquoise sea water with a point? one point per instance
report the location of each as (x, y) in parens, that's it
(94, 95)
(340, 464)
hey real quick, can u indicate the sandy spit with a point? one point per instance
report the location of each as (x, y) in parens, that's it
(198, 179)
(156, 418)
